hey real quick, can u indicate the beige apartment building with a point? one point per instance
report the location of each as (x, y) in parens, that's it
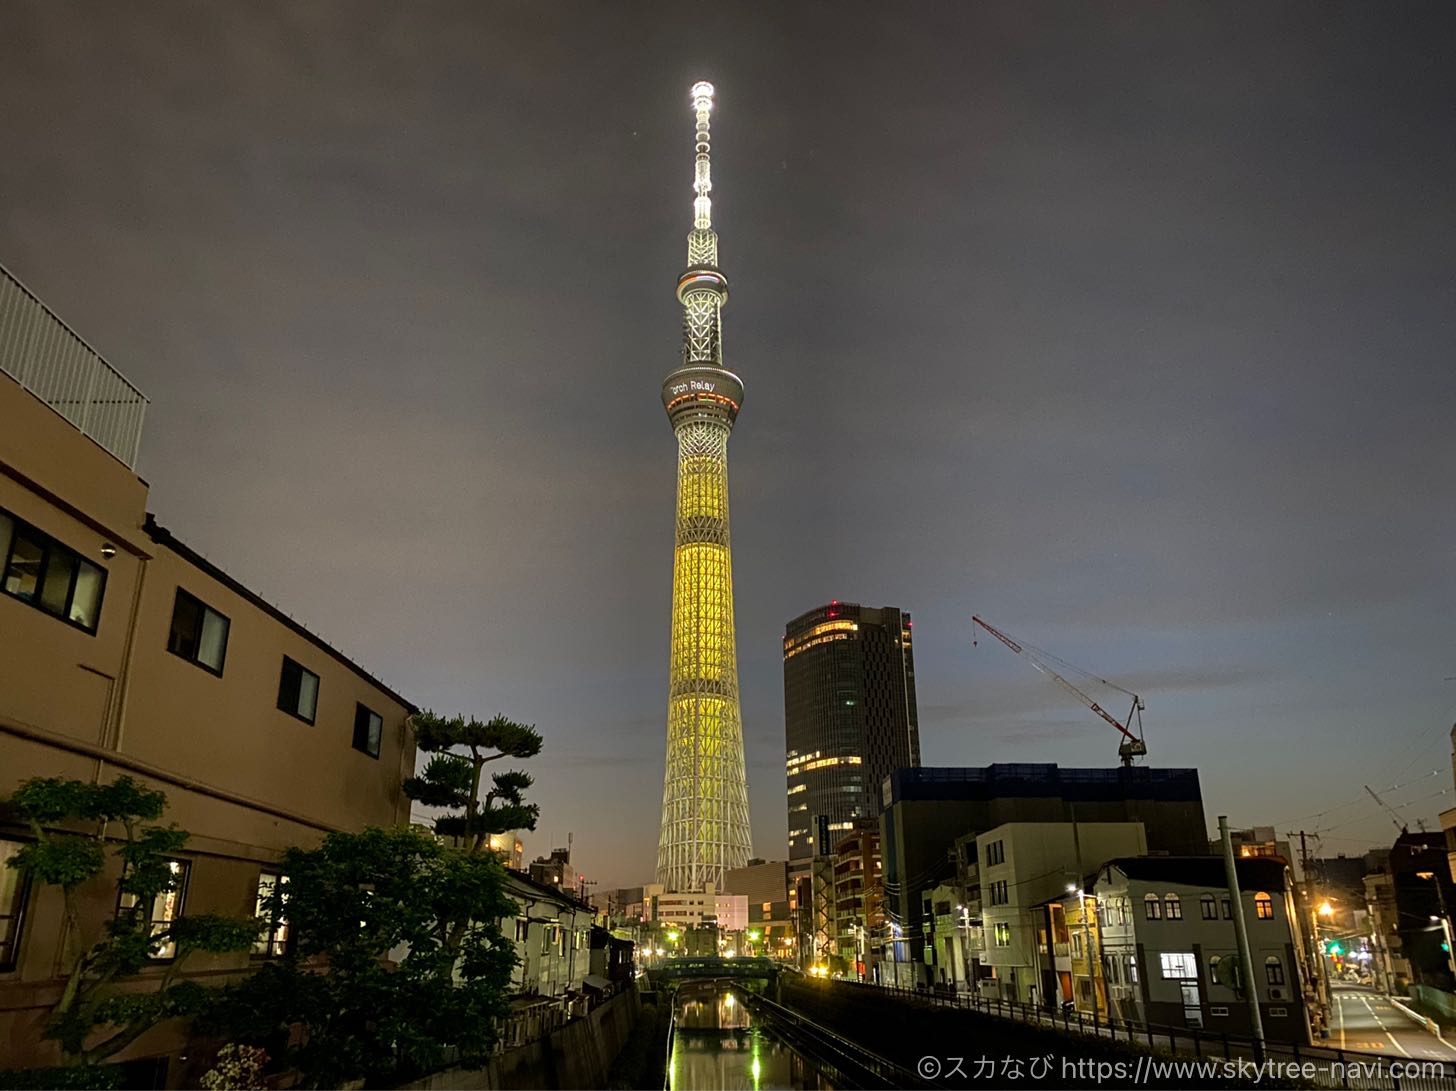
(1023, 865)
(122, 651)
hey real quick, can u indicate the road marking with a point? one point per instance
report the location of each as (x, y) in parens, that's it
(1340, 1010)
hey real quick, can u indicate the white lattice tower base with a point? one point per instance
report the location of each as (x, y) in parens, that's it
(705, 826)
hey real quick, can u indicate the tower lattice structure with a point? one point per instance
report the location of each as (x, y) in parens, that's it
(705, 793)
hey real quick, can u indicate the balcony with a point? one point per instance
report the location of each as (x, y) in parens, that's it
(46, 356)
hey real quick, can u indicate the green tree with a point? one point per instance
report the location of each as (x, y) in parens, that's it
(396, 963)
(460, 750)
(97, 1015)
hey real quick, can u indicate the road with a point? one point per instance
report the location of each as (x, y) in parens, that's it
(1368, 1021)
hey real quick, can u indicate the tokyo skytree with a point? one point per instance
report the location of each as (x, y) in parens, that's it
(705, 794)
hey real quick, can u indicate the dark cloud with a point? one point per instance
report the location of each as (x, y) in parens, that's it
(1130, 329)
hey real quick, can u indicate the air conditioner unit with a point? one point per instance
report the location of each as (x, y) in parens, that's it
(1276, 994)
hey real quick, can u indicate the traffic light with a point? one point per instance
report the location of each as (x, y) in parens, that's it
(1332, 947)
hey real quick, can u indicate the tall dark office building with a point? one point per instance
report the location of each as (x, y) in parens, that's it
(849, 718)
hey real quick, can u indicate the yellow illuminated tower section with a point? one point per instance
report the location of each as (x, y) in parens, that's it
(705, 793)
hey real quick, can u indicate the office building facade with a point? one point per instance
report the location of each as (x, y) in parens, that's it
(849, 718)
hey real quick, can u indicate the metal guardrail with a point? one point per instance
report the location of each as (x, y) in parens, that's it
(667, 1060)
(1357, 1070)
(856, 1065)
(51, 360)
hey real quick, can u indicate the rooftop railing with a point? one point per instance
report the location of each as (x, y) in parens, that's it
(50, 360)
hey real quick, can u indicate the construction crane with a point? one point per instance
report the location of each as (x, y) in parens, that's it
(1394, 814)
(1132, 745)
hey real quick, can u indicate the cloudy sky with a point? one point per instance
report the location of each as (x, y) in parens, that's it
(1131, 328)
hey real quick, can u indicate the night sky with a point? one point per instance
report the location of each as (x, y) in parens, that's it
(1131, 328)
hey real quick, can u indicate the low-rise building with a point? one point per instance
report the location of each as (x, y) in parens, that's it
(1084, 934)
(125, 652)
(1412, 901)
(1024, 867)
(1171, 956)
(729, 912)
(552, 931)
(926, 810)
(859, 912)
(1263, 841)
(510, 848)
(770, 927)
(954, 941)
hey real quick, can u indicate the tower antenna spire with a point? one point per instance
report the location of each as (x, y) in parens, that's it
(702, 163)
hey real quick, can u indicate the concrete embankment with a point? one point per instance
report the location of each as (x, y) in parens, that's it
(576, 1055)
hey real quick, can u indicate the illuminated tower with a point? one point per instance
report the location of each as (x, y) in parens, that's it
(705, 794)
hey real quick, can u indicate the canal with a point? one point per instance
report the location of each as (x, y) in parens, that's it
(719, 1045)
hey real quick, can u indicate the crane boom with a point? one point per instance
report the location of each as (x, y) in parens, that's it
(1394, 814)
(1132, 745)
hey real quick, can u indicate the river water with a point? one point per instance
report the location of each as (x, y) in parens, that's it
(719, 1046)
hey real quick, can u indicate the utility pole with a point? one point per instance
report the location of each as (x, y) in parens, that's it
(1241, 933)
(1318, 964)
(1445, 920)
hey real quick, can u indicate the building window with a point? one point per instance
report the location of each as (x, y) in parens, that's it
(1209, 904)
(273, 940)
(995, 853)
(14, 888)
(1173, 907)
(1132, 969)
(368, 726)
(999, 895)
(199, 633)
(1274, 970)
(1228, 910)
(298, 691)
(1153, 907)
(1179, 964)
(1002, 932)
(165, 908)
(1213, 964)
(48, 575)
(523, 929)
(1263, 906)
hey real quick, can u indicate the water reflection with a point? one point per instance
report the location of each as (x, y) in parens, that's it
(718, 1046)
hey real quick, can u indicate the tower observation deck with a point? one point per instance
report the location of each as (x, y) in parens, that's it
(705, 791)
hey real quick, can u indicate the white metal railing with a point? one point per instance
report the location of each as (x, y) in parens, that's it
(50, 360)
